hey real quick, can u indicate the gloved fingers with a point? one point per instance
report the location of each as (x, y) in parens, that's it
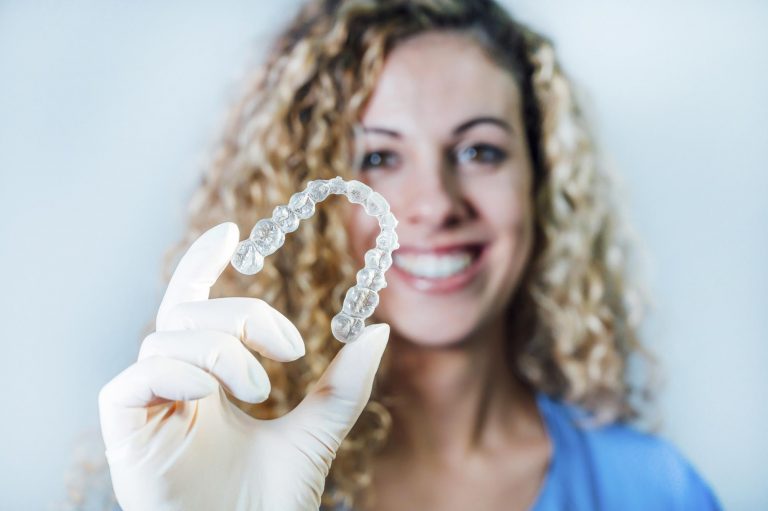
(218, 353)
(199, 268)
(124, 400)
(335, 402)
(260, 326)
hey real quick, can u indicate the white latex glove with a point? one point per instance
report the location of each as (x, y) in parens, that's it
(175, 442)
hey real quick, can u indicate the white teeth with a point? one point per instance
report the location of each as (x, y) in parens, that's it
(433, 266)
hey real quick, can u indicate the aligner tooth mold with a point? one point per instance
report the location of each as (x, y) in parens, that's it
(268, 235)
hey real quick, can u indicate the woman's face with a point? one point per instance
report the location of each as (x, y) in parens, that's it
(446, 146)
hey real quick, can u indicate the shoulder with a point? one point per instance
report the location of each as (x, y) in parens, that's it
(627, 465)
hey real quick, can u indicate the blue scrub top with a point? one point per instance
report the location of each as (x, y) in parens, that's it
(613, 468)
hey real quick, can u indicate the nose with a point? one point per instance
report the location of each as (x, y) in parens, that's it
(433, 197)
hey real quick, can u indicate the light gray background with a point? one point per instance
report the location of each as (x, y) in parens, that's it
(108, 110)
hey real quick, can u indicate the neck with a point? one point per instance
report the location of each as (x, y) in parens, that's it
(450, 403)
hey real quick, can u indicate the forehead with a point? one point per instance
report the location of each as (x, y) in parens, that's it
(437, 80)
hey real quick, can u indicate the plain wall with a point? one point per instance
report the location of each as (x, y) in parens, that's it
(108, 111)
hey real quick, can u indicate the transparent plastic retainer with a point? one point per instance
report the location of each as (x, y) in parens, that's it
(268, 235)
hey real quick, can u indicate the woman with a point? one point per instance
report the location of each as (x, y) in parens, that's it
(508, 319)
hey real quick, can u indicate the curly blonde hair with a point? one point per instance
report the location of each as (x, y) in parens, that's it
(576, 312)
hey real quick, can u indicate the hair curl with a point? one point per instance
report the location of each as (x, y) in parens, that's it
(577, 314)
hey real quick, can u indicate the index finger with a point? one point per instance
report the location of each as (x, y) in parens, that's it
(199, 268)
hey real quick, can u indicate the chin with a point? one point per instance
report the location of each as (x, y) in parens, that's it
(437, 342)
(437, 333)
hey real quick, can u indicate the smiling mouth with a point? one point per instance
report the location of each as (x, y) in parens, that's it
(437, 264)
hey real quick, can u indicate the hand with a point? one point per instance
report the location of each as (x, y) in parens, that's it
(173, 439)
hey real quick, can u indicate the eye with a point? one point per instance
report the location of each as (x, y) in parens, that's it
(379, 159)
(481, 153)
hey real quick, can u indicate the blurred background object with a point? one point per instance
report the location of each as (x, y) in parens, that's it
(108, 111)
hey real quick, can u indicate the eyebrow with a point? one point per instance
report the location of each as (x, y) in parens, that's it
(480, 120)
(456, 131)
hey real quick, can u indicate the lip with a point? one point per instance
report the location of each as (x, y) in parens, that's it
(447, 284)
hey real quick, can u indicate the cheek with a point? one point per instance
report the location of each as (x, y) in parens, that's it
(362, 230)
(506, 205)
(390, 185)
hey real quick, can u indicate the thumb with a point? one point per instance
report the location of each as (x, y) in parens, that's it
(333, 405)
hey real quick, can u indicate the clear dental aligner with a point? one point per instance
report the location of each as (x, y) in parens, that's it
(268, 235)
